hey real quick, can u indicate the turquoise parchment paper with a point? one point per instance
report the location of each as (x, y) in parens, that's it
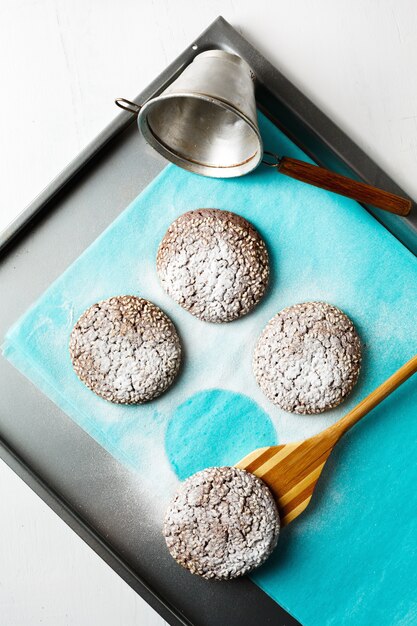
(351, 559)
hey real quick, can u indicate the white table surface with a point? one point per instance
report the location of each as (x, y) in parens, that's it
(62, 62)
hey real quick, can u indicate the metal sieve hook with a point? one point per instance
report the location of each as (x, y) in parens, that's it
(131, 107)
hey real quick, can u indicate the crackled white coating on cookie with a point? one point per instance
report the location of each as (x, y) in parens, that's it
(308, 358)
(125, 349)
(222, 523)
(214, 264)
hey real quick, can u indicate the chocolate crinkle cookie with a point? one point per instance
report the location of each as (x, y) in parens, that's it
(125, 349)
(222, 523)
(308, 358)
(214, 264)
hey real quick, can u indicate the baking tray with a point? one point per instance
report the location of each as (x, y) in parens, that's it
(87, 487)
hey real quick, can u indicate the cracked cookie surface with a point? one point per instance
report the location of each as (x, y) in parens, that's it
(308, 357)
(125, 349)
(222, 523)
(214, 264)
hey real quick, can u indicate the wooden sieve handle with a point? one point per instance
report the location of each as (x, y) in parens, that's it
(320, 177)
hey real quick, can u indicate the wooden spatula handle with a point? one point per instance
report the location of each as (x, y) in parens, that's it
(320, 177)
(374, 398)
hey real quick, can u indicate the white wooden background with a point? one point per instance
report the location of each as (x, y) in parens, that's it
(62, 62)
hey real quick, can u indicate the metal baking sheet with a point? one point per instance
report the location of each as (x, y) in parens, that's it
(89, 489)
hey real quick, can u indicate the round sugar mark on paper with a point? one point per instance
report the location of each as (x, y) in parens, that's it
(215, 428)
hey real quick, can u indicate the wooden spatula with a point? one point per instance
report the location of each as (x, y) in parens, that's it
(292, 470)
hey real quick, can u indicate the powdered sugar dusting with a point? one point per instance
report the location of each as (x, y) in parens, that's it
(308, 358)
(214, 264)
(125, 349)
(222, 523)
